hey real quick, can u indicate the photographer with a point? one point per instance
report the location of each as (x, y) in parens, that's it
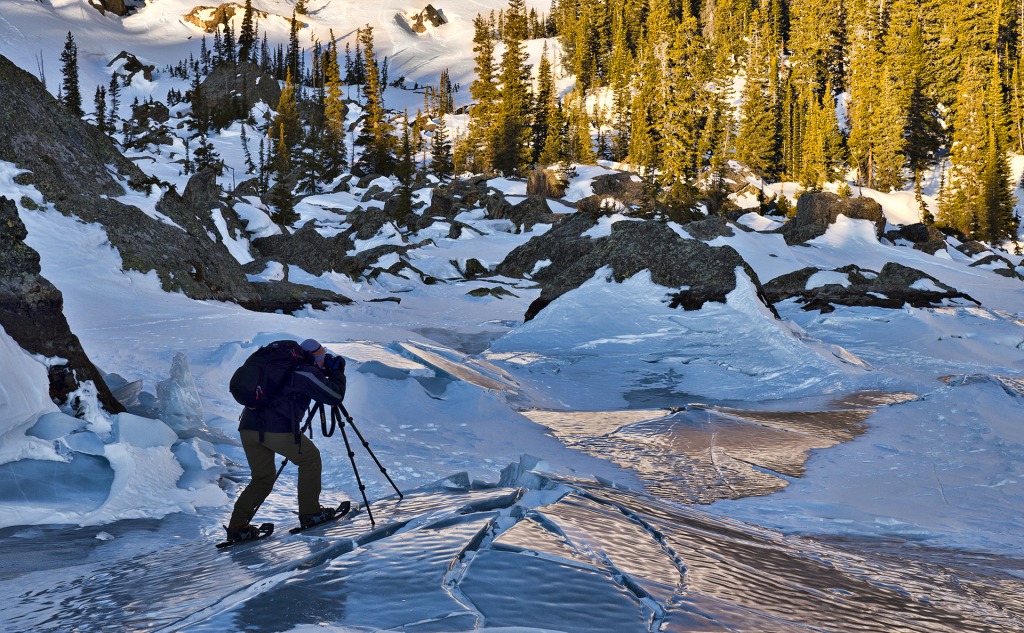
(273, 429)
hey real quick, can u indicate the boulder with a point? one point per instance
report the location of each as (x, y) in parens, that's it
(894, 286)
(625, 187)
(533, 210)
(304, 248)
(32, 313)
(287, 297)
(816, 210)
(132, 65)
(117, 7)
(545, 182)
(694, 272)
(210, 18)
(925, 237)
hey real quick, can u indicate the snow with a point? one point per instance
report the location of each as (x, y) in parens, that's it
(443, 383)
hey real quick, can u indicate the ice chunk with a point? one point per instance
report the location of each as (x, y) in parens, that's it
(78, 485)
(142, 432)
(51, 426)
(178, 396)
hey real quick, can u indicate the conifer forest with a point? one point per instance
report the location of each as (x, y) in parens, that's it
(864, 93)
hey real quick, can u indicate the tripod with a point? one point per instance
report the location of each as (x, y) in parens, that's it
(339, 416)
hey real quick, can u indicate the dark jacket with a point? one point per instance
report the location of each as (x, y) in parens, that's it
(308, 382)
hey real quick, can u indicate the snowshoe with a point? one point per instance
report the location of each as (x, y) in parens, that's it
(325, 515)
(246, 534)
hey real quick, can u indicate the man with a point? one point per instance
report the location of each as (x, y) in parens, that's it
(274, 430)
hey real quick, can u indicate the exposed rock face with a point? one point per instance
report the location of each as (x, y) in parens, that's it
(132, 65)
(117, 7)
(231, 90)
(417, 22)
(625, 187)
(288, 297)
(816, 210)
(70, 163)
(533, 210)
(925, 237)
(210, 18)
(893, 287)
(305, 248)
(31, 312)
(701, 273)
(545, 182)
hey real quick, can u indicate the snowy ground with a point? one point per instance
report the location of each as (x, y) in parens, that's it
(913, 507)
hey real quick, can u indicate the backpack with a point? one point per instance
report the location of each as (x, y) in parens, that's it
(257, 382)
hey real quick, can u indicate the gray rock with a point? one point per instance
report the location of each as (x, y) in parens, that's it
(700, 272)
(888, 288)
(305, 248)
(231, 90)
(925, 237)
(70, 163)
(32, 313)
(533, 210)
(816, 210)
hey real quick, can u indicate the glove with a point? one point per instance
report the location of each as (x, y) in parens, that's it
(333, 364)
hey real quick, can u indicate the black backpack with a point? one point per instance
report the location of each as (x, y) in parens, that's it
(257, 382)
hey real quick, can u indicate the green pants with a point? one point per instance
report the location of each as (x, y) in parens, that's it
(261, 457)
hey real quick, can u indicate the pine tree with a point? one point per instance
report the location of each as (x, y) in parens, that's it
(286, 124)
(962, 199)
(335, 154)
(405, 169)
(71, 95)
(114, 91)
(441, 163)
(512, 126)
(878, 103)
(250, 167)
(376, 137)
(100, 108)
(476, 147)
(246, 34)
(206, 156)
(542, 104)
(281, 193)
(292, 57)
(757, 140)
(620, 73)
(579, 144)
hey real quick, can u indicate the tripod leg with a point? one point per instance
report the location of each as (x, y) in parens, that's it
(352, 459)
(366, 445)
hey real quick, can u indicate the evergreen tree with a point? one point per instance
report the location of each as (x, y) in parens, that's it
(878, 104)
(281, 193)
(376, 137)
(620, 74)
(962, 199)
(114, 91)
(579, 147)
(246, 34)
(512, 126)
(441, 162)
(542, 104)
(292, 57)
(206, 156)
(757, 140)
(100, 108)
(405, 169)
(335, 154)
(286, 124)
(250, 167)
(71, 95)
(476, 147)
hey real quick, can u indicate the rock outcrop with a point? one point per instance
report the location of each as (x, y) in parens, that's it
(693, 272)
(231, 90)
(31, 312)
(816, 210)
(79, 170)
(894, 286)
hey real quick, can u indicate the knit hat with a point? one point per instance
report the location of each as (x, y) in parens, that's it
(314, 349)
